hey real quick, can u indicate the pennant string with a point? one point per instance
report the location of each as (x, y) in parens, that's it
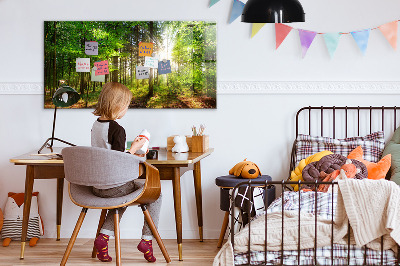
(347, 32)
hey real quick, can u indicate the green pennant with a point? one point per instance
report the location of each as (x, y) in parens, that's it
(213, 2)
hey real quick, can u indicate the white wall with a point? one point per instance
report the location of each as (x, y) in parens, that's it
(258, 127)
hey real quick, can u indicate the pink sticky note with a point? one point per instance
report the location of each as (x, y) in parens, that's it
(102, 68)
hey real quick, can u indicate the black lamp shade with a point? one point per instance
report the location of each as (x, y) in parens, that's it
(273, 11)
(65, 96)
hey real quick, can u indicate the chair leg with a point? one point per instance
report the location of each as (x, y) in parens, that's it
(73, 236)
(101, 222)
(223, 229)
(117, 239)
(154, 230)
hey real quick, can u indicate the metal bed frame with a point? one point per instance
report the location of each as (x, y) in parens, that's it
(284, 184)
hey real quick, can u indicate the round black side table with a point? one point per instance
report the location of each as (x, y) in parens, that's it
(228, 182)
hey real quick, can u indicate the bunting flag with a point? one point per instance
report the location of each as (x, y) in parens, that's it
(213, 2)
(255, 28)
(306, 39)
(237, 9)
(389, 30)
(332, 41)
(361, 37)
(281, 31)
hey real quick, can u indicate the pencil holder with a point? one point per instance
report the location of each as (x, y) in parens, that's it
(200, 143)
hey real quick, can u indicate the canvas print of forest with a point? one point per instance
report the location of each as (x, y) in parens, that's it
(166, 64)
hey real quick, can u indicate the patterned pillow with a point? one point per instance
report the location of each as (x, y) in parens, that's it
(372, 145)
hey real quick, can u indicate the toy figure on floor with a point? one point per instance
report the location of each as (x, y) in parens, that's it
(13, 215)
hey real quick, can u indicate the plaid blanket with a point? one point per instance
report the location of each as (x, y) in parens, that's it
(307, 202)
(322, 204)
(324, 257)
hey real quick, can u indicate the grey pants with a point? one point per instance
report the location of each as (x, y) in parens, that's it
(153, 208)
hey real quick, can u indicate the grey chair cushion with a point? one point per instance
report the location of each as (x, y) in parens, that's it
(83, 196)
(99, 167)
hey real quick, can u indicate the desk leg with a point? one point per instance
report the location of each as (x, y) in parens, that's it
(176, 183)
(199, 204)
(27, 206)
(60, 190)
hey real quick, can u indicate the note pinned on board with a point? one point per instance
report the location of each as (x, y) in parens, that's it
(102, 68)
(151, 62)
(91, 48)
(164, 67)
(98, 78)
(145, 48)
(142, 72)
(83, 65)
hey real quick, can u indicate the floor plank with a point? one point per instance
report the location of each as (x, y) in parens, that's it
(49, 252)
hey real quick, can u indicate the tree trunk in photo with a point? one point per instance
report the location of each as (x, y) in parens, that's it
(137, 52)
(157, 80)
(87, 74)
(125, 71)
(131, 62)
(69, 72)
(151, 92)
(82, 83)
(45, 74)
(62, 68)
(120, 68)
(115, 72)
(54, 60)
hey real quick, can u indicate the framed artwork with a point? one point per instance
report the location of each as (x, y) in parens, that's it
(166, 64)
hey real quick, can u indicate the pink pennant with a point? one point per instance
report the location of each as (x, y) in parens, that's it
(306, 39)
(389, 30)
(281, 31)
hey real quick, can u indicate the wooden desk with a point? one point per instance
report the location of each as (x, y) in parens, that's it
(171, 167)
(40, 167)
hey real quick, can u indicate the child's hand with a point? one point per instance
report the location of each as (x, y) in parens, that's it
(137, 144)
(142, 155)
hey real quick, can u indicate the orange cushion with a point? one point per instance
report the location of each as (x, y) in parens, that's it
(375, 170)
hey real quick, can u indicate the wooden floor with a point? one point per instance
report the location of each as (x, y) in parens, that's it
(50, 252)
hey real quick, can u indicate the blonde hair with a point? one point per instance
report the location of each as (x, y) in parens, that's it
(112, 99)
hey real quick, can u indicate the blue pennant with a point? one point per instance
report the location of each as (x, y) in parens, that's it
(361, 38)
(237, 9)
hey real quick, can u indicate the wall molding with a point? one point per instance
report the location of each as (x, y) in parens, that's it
(259, 87)
(21, 88)
(309, 87)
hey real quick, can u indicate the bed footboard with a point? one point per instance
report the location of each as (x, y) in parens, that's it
(301, 256)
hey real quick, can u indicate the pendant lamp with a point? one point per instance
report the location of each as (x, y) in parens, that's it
(64, 96)
(272, 11)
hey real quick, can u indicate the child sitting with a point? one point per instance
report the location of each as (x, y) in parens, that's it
(106, 133)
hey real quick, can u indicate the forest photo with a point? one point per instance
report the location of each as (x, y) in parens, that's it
(166, 64)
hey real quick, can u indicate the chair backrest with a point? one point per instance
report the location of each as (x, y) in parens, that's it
(92, 166)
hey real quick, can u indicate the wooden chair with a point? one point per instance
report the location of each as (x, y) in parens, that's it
(85, 167)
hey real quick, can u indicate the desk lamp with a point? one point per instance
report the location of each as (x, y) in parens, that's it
(273, 11)
(64, 96)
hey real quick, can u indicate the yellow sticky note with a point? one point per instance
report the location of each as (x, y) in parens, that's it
(145, 48)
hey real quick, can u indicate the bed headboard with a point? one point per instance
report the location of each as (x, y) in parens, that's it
(345, 121)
